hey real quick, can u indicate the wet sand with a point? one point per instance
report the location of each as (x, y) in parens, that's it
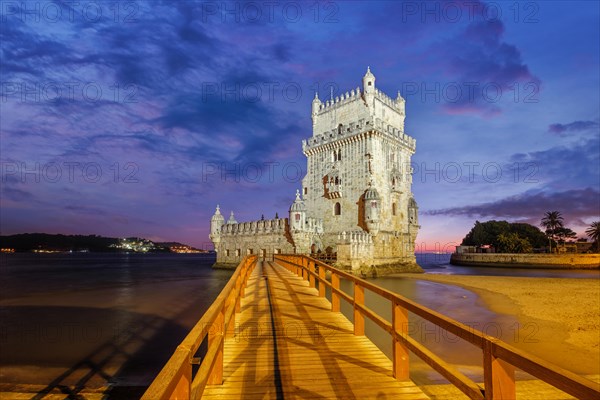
(559, 317)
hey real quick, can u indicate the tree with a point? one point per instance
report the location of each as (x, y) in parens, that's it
(513, 243)
(594, 233)
(565, 233)
(487, 233)
(532, 233)
(552, 221)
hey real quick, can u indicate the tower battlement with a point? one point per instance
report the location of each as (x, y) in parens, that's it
(358, 109)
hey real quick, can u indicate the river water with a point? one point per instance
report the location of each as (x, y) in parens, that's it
(92, 319)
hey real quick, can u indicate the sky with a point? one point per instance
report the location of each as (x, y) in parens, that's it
(136, 118)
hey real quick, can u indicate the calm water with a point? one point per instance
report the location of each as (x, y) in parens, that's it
(92, 319)
(440, 264)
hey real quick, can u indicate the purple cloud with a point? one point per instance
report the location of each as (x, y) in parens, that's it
(530, 206)
(486, 68)
(575, 126)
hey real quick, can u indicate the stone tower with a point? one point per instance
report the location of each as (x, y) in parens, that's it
(356, 200)
(359, 178)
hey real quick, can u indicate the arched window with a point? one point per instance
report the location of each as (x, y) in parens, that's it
(340, 129)
(393, 208)
(339, 155)
(337, 209)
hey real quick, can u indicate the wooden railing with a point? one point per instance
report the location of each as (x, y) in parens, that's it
(175, 380)
(325, 257)
(499, 358)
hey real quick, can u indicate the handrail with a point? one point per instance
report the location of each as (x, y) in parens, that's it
(175, 380)
(499, 358)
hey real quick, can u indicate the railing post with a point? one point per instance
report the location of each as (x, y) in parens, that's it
(498, 375)
(230, 328)
(184, 386)
(311, 277)
(335, 298)
(216, 374)
(238, 289)
(359, 319)
(400, 326)
(304, 270)
(321, 284)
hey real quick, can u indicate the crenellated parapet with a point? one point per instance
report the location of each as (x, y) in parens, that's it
(355, 237)
(339, 101)
(276, 225)
(314, 225)
(397, 104)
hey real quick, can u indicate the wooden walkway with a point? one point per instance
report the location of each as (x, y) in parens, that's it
(288, 344)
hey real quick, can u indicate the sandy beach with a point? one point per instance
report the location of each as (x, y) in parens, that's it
(561, 316)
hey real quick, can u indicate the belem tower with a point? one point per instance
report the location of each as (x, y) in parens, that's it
(356, 203)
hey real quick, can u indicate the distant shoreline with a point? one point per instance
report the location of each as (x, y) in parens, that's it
(534, 261)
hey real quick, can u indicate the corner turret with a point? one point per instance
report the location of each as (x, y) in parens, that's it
(216, 222)
(413, 212)
(369, 87)
(231, 219)
(298, 213)
(316, 105)
(372, 206)
(400, 103)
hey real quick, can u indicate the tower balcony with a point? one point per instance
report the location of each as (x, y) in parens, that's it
(334, 191)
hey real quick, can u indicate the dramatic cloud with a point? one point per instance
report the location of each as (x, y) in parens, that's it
(484, 67)
(575, 126)
(530, 206)
(563, 167)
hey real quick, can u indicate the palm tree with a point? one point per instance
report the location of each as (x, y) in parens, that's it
(552, 221)
(594, 233)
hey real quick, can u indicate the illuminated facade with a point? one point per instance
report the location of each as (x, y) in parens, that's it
(356, 199)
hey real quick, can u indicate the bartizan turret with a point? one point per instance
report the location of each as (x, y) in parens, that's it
(231, 220)
(372, 205)
(297, 214)
(369, 87)
(316, 105)
(216, 222)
